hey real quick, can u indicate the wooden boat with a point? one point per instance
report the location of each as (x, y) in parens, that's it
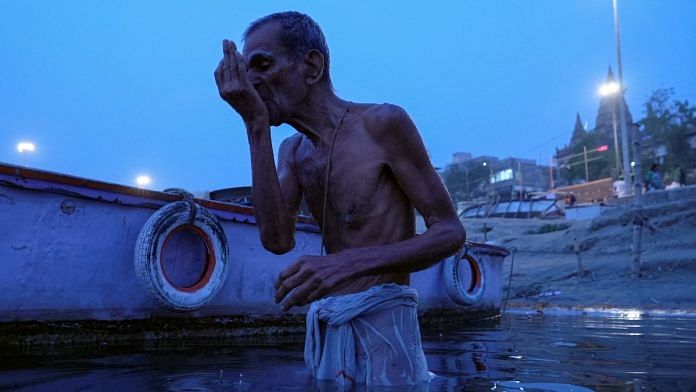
(75, 252)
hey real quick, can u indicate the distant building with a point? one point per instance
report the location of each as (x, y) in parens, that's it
(610, 109)
(461, 157)
(508, 178)
(517, 178)
(606, 137)
(607, 130)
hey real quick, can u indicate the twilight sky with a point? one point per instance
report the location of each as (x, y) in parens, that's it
(113, 89)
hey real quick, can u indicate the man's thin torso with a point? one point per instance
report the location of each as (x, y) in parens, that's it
(366, 206)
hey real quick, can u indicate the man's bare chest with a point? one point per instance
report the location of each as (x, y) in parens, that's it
(356, 177)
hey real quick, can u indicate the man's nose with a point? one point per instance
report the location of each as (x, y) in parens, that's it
(250, 71)
(254, 78)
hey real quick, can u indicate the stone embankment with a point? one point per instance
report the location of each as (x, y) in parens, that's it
(583, 264)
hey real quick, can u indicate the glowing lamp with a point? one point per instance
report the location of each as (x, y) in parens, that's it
(26, 146)
(607, 89)
(142, 180)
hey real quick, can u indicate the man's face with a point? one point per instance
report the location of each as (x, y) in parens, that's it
(276, 78)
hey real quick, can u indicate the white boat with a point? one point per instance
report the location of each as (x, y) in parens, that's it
(69, 258)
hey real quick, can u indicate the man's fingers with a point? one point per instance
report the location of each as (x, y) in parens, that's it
(218, 74)
(288, 285)
(226, 52)
(303, 295)
(241, 67)
(231, 65)
(291, 270)
(237, 61)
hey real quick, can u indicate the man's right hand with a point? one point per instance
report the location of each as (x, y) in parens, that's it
(236, 89)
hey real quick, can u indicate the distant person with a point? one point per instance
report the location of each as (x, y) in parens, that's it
(362, 324)
(653, 179)
(681, 176)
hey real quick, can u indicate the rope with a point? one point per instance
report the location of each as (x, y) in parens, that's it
(322, 251)
(193, 210)
(645, 222)
(507, 294)
(188, 198)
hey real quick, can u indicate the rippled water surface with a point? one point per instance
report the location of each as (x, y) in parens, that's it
(537, 353)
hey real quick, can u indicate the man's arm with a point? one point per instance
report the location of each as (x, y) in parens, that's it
(275, 204)
(275, 193)
(417, 178)
(313, 277)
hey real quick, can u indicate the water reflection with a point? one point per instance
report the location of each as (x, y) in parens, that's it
(545, 353)
(538, 353)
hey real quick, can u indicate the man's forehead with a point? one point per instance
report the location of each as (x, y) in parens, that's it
(264, 38)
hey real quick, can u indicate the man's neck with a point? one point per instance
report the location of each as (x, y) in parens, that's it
(319, 115)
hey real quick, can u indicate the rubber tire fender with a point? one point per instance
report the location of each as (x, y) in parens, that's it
(456, 289)
(148, 251)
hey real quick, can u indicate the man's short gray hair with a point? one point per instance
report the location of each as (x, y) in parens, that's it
(298, 33)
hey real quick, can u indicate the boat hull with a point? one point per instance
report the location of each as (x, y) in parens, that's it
(68, 248)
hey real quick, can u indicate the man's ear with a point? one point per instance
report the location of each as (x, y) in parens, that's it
(314, 66)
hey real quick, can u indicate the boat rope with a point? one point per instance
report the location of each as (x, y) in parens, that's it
(188, 198)
(322, 251)
(464, 248)
(509, 285)
(193, 211)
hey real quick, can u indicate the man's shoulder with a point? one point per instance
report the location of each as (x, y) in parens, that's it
(383, 113)
(384, 119)
(289, 145)
(291, 142)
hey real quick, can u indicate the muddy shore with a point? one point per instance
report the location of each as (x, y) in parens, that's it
(546, 273)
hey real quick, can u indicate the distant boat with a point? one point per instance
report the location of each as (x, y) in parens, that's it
(538, 206)
(79, 254)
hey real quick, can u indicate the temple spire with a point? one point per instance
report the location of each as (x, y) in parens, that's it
(578, 131)
(609, 107)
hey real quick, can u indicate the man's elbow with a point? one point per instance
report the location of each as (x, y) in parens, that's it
(458, 234)
(278, 246)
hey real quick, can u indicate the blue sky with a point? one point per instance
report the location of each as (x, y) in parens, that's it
(112, 89)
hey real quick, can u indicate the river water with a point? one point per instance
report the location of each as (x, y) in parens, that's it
(514, 353)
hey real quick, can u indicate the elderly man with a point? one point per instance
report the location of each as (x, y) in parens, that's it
(362, 168)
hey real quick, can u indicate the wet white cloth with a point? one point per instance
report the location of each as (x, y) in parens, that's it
(370, 338)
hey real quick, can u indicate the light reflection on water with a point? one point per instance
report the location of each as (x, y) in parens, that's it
(537, 353)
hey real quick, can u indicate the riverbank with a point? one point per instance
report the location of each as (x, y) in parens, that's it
(546, 273)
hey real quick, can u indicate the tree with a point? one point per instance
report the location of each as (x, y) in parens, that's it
(466, 180)
(454, 177)
(667, 123)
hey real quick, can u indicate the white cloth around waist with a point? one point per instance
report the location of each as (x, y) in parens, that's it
(371, 338)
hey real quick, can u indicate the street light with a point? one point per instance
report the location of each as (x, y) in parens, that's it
(143, 181)
(611, 89)
(25, 148)
(622, 109)
(637, 198)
